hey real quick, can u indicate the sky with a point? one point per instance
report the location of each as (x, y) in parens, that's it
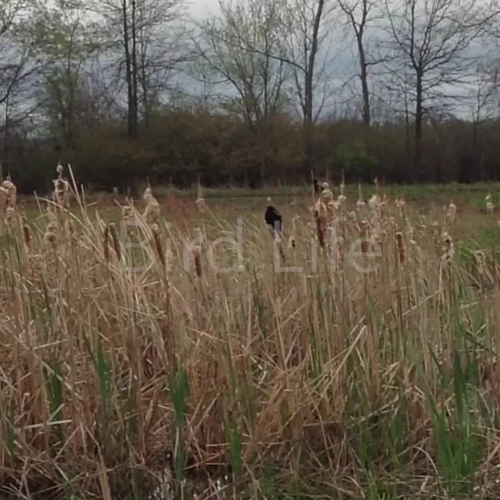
(200, 8)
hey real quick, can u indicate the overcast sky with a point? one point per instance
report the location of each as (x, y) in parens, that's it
(200, 8)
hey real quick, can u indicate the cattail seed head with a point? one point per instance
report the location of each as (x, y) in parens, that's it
(27, 235)
(10, 217)
(490, 207)
(128, 219)
(50, 236)
(319, 228)
(152, 212)
(448, 249)
(365, 246)
(451, 212)
(106, 243)
(116, 242)
(401, 247)
(155, 229)
(480, 257)
(8, 194)
(196, 253)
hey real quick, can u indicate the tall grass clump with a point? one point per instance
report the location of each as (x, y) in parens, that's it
(141, 360)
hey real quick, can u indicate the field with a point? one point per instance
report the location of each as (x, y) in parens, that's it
(162, 350)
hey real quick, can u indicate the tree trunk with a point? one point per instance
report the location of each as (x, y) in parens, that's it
(364, 83)
(419, 112)
(135, 99)
(129, 73)
(308, 90)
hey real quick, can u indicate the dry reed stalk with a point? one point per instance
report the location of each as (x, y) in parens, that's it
(349, 341)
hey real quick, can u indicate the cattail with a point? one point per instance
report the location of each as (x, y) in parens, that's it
(379, 236)
(196, 252)
(201, 205)
(116, 241)
(155, 229)
(364, 235)
(326, 194)
(374, 203)
(70, 229)
(128, 219)
(401, 205)
(152, 212)
(331, 210)
(27, 235)
(360, 204)
(448, 249)
(105, 243)
(50, 236)
(401, 247)
(61, 188)
(319, 228)
(9, 194)
(10, 214)
(169, 257)
(490, 208)
(291, 241)
(451, 212)
(341, 199)
(200, 201)
(480, 257)
(375, 208)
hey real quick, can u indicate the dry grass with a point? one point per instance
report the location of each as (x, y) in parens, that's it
(118, 364)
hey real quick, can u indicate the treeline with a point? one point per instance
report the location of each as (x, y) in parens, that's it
(184, 146)
(125, 90)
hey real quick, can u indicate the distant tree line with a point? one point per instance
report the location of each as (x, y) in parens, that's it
(259, 91)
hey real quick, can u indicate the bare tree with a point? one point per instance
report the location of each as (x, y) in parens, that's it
(19, 67)
(360, 14)
(147, 38)
(66, 44)
(242, 54)
(305, 34)
(241, 49)
(430, 40)
(483, 104)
